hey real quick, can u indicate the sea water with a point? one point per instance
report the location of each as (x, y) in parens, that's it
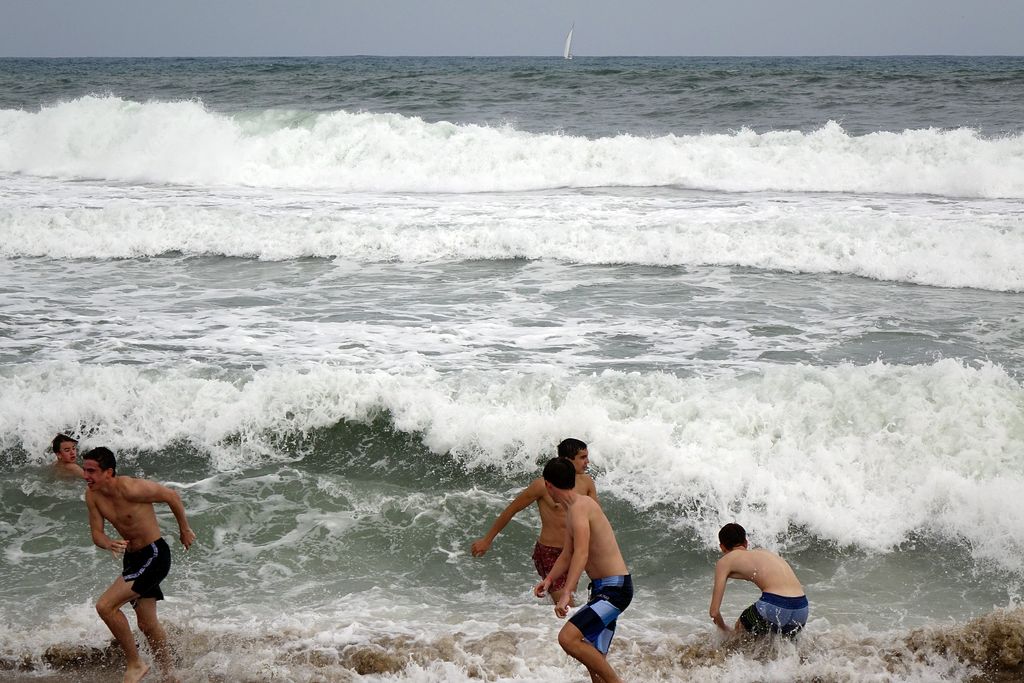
(348, 307)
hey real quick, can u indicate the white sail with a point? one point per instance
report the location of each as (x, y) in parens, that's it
(567, 53)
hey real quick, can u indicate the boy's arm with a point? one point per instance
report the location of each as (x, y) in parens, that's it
(98, 530)
(561, 565)
(145, 491)
(592, 492)
(718, 592)
(530, 494)
(558, 568)
(580, 535)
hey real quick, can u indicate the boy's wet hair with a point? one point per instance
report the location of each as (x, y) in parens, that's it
(59, 439)
(732, 535)
(104, 457)
(570, 447)
(560, 473)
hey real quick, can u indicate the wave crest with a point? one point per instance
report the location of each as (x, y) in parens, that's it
(863, 456)
(184, 143)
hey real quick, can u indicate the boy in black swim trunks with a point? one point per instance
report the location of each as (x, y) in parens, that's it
(127, 503)
(589, 545)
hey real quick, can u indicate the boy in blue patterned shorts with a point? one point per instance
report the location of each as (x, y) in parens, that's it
(782, 607)
(589, 545)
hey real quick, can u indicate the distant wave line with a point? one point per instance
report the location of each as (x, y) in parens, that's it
(184, 143)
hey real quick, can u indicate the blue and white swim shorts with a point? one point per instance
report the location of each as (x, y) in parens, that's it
(609, 597)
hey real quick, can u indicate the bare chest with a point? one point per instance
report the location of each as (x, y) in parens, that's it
(125, 515)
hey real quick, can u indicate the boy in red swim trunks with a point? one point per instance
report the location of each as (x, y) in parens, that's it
(552, 514)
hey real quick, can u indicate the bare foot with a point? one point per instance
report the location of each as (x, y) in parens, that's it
(135, 672)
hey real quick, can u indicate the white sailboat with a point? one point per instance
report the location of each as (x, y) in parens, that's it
(567, 53)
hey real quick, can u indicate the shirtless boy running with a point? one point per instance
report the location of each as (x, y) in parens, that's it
(127, 503)
(552, 515)
(782, 607)
(589, 545)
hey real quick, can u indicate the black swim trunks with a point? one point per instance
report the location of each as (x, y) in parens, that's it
(147, 567)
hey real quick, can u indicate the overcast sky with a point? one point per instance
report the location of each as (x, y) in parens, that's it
(116, 28)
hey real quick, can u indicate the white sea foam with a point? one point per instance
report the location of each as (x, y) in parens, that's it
(958, 244)
(182, 142)
(428, 646)
(865, 456)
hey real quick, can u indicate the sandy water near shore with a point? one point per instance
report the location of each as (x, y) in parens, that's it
(988, 649)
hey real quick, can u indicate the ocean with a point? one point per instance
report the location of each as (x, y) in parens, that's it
(347, 307)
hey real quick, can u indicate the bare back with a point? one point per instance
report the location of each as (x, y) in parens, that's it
(765, 569)
(552, 514)
(603, 555)
(124, 508)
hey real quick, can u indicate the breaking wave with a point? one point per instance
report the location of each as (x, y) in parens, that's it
(182, 142)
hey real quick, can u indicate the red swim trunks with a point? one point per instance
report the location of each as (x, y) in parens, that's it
(544, 557)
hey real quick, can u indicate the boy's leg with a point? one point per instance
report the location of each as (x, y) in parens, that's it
(145, 612)
(575, 645)
(109, 608)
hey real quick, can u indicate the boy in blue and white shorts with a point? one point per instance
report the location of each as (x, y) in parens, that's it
(782, 607)
(586, 636)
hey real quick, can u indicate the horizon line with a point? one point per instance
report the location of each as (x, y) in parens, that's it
(525, 56)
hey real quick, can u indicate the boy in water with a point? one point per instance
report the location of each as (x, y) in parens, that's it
(127, 503)
(552, 515)
(589, 545)
(782, 607)
(66, 450)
